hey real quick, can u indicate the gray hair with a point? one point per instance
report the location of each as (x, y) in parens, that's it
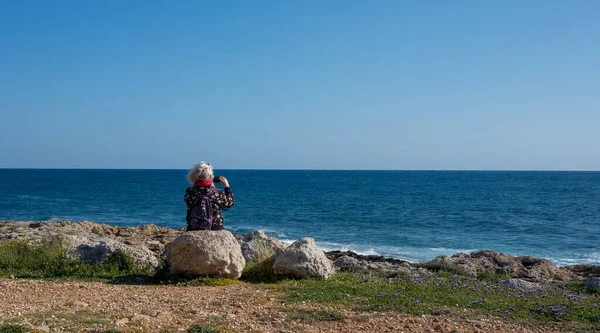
(200, 171)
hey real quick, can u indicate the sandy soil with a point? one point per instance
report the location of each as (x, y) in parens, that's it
(95, 307)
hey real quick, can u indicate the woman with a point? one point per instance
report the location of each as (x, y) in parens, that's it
(204, 201)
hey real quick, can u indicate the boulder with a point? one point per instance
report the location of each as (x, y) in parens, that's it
(351, 264)
(205, 252)
(585, 271)
(526, 267)
(96, 251)
(303, 259)
(257, 246)
(522, 285)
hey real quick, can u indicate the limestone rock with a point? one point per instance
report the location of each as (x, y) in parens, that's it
(585, 271)
(93, 242)
(350, 261)
(526, 267)
(257, 246)
(304, 260)
(522, 285)
(347, 263)
(96, 251)
(205, 252)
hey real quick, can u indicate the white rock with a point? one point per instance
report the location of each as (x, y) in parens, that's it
(205, 252)
(304, 260)
(522, 285)
(257, 246)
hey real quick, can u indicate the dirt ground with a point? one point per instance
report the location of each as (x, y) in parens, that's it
(96, 307)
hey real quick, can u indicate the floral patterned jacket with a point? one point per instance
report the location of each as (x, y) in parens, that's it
(219, 199)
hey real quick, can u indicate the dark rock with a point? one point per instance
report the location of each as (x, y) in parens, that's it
(334, 255)
(584, 270)
(593, 282)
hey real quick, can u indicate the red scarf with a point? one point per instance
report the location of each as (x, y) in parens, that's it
(204, 183)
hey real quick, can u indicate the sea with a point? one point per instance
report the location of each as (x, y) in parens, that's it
(409, 215)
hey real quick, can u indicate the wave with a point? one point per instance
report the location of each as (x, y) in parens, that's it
(412, 254)
(244, 229)
(587, 258)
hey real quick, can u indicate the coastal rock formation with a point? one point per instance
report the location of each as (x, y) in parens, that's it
(585, 271)
(303, 259)
(526, 267)
(205, 252)
(350, 261)
(257, 246)
(93, 242)
(97, 251)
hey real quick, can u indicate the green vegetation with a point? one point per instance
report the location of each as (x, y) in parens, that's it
(12, 328)
(201, 329)
(19, 258)
(489, 276)
(208, 281)
(449, 291)
(438, 296)
(260, 271)
(443, 267)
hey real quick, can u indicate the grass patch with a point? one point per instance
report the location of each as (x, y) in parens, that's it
(201, 329)
(19, 258)
(440, 296)
(208, 281)
(260, 271)
(580, 287)
(13, 328)
(490, 276)
(312, 316)
(443, 267)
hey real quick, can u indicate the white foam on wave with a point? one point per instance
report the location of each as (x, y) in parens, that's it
(587, 258)
(412, 254)
(408, 253)
(250, 228)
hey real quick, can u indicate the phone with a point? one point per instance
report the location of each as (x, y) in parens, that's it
(216, 179)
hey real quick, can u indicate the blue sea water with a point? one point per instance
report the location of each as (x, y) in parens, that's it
(411, 215)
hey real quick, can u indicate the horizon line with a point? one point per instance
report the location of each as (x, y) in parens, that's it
(309, 169)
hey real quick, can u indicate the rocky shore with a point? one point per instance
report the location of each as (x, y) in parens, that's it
(483, 286)
(93, 242)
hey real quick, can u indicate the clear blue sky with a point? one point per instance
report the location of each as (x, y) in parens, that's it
(300, 84)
